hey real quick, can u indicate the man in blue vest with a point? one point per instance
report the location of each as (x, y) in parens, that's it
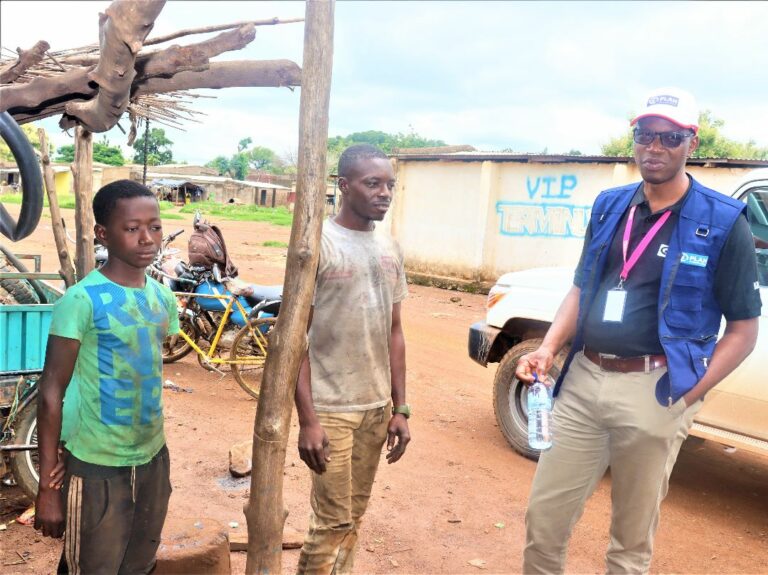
(663, 261)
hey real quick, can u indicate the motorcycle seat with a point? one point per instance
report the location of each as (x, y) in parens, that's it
(261, 293)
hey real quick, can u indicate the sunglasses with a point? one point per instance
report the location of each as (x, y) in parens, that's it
(670, 139)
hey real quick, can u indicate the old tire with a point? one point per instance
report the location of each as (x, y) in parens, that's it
(510, 395)
(182, 347)
(246, 348)
(20, 290)
(25, 465)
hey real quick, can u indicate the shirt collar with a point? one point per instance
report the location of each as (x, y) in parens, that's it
(639, 198)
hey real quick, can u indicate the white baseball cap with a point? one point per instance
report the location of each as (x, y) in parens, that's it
(673, 104)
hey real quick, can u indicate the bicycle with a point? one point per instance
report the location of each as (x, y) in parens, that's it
(248, 351)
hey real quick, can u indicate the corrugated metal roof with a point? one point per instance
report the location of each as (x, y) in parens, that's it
(215, 179)
(565, 158)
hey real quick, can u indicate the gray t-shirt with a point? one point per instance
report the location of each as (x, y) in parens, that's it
(359, 278)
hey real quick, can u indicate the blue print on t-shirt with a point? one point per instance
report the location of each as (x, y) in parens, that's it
(119, 392)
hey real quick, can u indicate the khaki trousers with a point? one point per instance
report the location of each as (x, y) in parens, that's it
(605, 419)
(340, 495)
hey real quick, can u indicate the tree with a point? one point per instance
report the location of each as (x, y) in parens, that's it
(238, 166)
(712, 144)
(386, 142)
(243, 144)
(258, 158)
(264, 159)
(221, 163)
(30, 130)
(158, 148)
(102, 152)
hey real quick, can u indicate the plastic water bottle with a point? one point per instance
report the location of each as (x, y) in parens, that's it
(540, 414)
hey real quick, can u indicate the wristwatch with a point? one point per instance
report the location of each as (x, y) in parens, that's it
(404, 409)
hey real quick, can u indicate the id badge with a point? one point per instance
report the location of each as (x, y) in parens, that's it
(614, 305)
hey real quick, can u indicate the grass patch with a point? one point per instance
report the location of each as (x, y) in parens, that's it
(274, 244)
(67, 202)
(279, 216)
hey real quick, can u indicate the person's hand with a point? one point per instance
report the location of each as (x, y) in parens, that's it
(56, 478)
(49, 512)
(539, 360)
(314, 447)
(397, 430)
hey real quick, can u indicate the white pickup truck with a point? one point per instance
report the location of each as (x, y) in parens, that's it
(521, 306)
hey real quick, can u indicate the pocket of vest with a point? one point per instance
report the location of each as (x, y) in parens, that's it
(699, 357)
(684, 309)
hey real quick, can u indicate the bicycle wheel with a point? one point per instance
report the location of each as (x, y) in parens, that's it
(182, 347)
(25, 465)
(249, 354)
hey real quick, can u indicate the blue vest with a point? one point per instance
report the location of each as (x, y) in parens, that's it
(689, 316)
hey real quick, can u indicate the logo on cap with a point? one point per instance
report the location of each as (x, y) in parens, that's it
(663, 101)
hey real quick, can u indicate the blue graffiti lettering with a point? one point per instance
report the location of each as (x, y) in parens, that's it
(568, 183)
(532, 191)
(548, 181)
(543, 220)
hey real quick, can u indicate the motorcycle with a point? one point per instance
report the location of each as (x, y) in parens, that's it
(199, 317)
(18, 432)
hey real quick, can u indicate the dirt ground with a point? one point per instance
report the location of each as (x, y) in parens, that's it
(460, 492)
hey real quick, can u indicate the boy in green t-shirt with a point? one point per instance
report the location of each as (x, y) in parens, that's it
(105, 338)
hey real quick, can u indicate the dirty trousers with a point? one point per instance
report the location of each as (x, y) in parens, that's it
(114, 516)
(605, 419)
(340, 495)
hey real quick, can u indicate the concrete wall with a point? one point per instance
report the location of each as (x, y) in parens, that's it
(478, 219)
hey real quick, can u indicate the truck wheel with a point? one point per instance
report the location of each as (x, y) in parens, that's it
(25, 465)
(510, 397)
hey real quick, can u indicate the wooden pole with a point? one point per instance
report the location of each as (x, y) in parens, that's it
(146, 147)
(67, 271)
(82, 171)
(264, 510)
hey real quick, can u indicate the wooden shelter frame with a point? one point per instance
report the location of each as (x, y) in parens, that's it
(93, 87)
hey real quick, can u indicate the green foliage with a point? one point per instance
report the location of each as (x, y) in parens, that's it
(712, 143)
(258, 157)
(66, 153)
(158, 148)
(274, 244)
(238, 166)
(261, 158)
(221, 163)
(279, 216)
(30, 130)
(386, 142)
(102, 152)
(243, 144)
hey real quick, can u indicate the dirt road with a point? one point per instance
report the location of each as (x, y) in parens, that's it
(460, 492)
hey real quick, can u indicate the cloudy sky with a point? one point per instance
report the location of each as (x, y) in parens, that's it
(497, 75)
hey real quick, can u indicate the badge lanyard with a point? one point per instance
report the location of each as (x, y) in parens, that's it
(616, 297)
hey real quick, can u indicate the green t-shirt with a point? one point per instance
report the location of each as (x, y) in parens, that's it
(113, 407)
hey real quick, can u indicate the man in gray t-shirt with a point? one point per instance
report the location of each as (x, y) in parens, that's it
(350, 395)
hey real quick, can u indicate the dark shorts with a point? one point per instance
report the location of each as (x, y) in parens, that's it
(114, 516)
